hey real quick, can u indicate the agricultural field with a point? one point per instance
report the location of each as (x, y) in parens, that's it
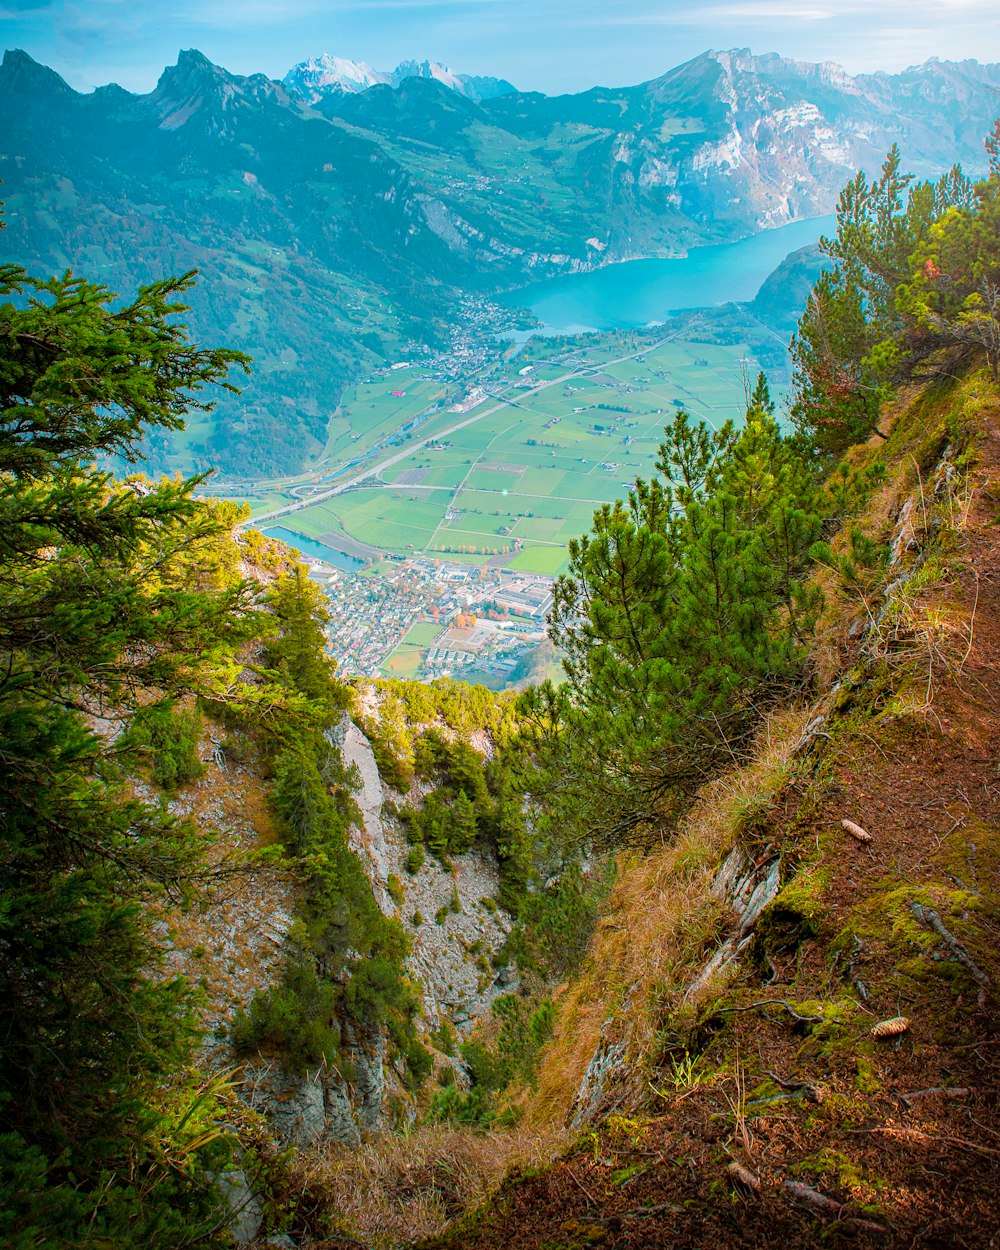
(406, 659)
(373, 412)
(512, 478)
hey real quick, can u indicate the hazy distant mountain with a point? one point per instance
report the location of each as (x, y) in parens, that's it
(302, 231)
(312, 79)
(330, 235)
(722, 145)
(324, 75)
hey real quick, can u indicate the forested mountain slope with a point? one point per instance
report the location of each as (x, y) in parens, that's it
(199, 868)
(333, 237)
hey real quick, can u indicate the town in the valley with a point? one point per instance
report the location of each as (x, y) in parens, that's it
(428, 618)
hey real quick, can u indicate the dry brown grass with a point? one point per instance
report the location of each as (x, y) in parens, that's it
(657, 927)
(902, 419)
(832, 642)
(922, 628)
(252, 804)
(396, 1190)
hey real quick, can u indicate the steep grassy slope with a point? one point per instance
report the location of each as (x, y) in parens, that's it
(727, 1012)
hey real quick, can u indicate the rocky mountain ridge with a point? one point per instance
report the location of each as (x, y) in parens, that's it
(328, 75)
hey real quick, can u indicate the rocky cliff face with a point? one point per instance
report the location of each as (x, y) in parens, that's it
(236, 944)
(452, 956)
(233, 942)
(743, 886)
(730, 137)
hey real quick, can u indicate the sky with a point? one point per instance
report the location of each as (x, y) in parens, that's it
(542, 45)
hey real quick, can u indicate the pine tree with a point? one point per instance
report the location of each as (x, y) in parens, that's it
(683, 614)
(462, 826)
(111, 593)
(298, 650)
(844, 354)
(952, 295)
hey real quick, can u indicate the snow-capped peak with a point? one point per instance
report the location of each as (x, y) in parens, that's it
(428, 69)
(326, 74)
(312, 79)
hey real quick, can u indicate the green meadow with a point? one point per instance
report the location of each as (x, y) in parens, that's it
(373, 411)
(407, 657)
(523, 480)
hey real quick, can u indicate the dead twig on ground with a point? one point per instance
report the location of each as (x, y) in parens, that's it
(972, 625)
(810, 1091)
(774, 1002)
(929, 917)
(915, 1134)
(934, 1091)
(820, 1204)
(580, 1185)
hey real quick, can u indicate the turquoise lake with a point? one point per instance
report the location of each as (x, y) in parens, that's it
(638, 292)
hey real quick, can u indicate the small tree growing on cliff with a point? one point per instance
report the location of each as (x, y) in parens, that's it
(845, 349)
(683, 613)
(954, 288)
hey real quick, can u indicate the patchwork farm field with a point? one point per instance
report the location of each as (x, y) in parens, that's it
(513, 485)
(371, 413)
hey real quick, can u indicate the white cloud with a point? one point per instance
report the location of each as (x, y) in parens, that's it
(751, 12)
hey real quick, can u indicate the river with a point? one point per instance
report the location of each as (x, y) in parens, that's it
(639, 292)
(317, 550)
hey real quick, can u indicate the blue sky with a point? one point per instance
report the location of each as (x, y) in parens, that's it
(546, 45)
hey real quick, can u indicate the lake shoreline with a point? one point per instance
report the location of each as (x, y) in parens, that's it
(642, 292)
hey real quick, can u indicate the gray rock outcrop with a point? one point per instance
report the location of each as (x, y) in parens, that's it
(460, 927)
(303, 1111)
(246, 1213)
(746, 887)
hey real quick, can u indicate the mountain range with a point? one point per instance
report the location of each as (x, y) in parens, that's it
(334, 234)
(327, 75)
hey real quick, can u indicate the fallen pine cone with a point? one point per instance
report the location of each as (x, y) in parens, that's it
(862, 835)
(891, 1028)
(743, 1178)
